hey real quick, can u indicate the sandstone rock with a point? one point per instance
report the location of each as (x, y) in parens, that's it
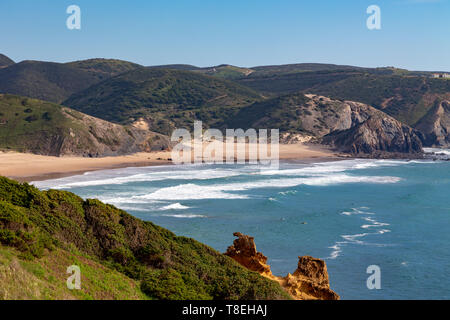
(244, 251)
(309, 282)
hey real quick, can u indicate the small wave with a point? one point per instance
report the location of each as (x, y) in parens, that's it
(356, 211)
(184, 216)
(335, 167)
(375, 223)
(437, 151)
(174, 206)
(355, 239)
(289, 192)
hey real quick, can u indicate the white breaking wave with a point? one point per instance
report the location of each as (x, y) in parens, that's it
(184, 216)
(374, 224)
(175, 206)
(335, 167)
(97, 180)
(355, 239)
(437, 151)
(222, 191)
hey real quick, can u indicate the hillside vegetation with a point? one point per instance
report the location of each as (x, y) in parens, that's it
(44, 80)
(349, 126)
(44, 232)
(55, 82)
(407, 99)
(104, 68)
(166, 99)
(30, 125)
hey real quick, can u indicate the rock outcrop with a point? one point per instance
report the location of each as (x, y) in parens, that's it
(309, 282)
(244, 251)
(379, 136)
(436, 125)
(348, 126)
(35, 126)
(365, 131)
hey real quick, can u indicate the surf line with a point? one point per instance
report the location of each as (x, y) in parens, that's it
(353, 239)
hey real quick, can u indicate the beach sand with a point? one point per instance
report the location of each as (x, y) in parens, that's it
(31, 167)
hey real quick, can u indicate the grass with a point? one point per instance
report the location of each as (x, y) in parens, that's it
(168, 99)
(49, 230)
(45, 278)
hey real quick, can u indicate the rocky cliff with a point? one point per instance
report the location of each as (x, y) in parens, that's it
(348, 126)
(309, 282)
(436, 125)
(101, 138)
(362, 130)
(379, 136)
(30, 125)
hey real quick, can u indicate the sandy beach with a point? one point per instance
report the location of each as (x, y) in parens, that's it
(31, 167)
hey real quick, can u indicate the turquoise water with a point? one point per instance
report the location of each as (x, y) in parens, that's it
(352, 213)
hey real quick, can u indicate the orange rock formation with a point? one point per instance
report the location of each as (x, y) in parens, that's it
(309, 282)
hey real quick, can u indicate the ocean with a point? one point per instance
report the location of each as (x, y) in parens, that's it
(352, 213)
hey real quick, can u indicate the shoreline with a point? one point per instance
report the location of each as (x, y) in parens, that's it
(26, 167)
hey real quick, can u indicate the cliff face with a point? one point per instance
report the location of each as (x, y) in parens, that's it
(436, 125)
(309, 282)
(30, 125)
(101, 138)
(366, 131)
(348, 126)
(378, 136)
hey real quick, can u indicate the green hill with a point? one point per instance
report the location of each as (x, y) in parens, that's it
(104, 68)
(349, 126)
(5, 61)
(30, 125)
(44, 232)
(44, 80)
(165, 98)
(407, 99)
(226, 71)
(404, 95)
(55, 82)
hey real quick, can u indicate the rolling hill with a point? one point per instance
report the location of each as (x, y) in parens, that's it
(55, 82)
(30, 125)
(5, 61)
(44, 80)
(104, 68)
(164, 98)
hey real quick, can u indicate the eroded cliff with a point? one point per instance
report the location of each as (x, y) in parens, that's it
(309, 282)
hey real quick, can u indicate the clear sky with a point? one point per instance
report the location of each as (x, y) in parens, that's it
(415, 34)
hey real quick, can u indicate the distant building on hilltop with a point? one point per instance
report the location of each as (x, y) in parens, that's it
(441, 75)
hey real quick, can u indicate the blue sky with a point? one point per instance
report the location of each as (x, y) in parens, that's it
(415, 34)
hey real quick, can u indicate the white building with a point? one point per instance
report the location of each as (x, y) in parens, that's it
(441, 75)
